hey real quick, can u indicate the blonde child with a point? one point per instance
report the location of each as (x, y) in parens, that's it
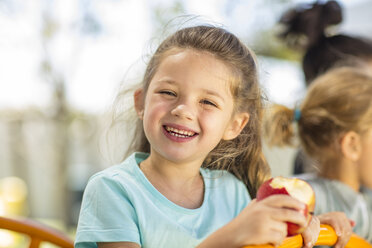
(306, 26)
(334, 125)
(197, 162)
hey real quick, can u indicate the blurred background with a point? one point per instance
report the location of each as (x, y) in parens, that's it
(63, 61)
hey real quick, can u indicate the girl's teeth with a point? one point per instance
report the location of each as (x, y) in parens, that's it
(179, 133)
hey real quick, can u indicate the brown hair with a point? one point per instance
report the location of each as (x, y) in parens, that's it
(241, 156)
(337, 102)
(305, 27)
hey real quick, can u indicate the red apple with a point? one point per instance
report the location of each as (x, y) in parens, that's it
(297, 188)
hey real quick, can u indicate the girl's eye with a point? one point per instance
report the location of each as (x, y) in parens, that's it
(206, 102)
(167, 92)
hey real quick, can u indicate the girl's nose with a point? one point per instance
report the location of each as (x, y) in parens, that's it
(183, 111)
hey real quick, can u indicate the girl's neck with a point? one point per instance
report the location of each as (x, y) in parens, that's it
(171, 171)
(180, 183)
(343, 171)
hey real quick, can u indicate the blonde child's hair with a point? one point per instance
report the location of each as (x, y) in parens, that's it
(243, 155)
(336, 102)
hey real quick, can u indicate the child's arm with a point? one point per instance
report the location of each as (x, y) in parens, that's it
(341, 223)
(261, 222)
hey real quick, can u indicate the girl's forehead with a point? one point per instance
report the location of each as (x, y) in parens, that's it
(193, 55)
(194, 66)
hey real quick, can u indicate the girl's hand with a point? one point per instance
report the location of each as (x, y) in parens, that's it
(311, 233)
(263, 222)
(341, 223)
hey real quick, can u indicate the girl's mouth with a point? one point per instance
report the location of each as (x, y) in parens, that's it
(179, 133)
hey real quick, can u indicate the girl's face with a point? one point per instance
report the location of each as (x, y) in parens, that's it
(365, 159)
(188, 107)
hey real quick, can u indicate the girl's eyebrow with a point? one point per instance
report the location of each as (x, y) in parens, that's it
(166, 80)
(213, 93)
(208, 92)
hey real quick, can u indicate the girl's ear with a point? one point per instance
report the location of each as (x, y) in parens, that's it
(351, 146)
(236, 125)
(139, 102)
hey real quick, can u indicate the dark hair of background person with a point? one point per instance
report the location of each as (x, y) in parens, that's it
(307, 27)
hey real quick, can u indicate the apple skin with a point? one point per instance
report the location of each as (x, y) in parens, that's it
(282, 186)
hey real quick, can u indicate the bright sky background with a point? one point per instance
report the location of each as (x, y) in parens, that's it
(94, 64)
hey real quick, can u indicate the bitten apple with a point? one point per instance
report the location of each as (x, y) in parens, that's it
(294, 187)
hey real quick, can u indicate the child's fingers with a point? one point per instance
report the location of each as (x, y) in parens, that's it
(277, 232)
(262, 228)
(285, 208)
(289, 215)
(341, 224)
(277, 237)
(279, 226)
(269, 222)
(343, 235)
(311, 233)
(284, 201)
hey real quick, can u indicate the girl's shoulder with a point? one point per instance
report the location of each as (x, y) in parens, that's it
(123, 173)
(327, 185)
(333, 195)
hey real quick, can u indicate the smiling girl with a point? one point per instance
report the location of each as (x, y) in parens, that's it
(197, 160)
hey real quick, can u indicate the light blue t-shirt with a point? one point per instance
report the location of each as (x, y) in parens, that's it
(333, 195)
(120, 204)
